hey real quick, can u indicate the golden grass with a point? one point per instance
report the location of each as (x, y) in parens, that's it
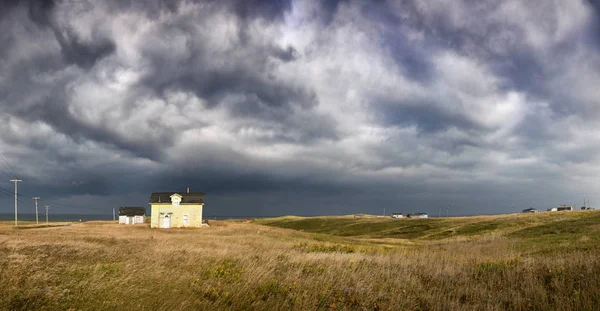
(246, 266)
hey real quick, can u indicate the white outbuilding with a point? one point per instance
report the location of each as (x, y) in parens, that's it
(129, 215)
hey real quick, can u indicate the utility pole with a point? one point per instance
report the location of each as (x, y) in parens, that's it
(16, 207)
(36, 209)
(47, 207)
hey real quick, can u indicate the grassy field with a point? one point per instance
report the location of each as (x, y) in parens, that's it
(546, 261)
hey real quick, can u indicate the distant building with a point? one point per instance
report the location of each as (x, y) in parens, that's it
(417, 215)
(130, 215)
(587, 208)
(530, 210)
(561, 208)
(177, 210)
(397, 215)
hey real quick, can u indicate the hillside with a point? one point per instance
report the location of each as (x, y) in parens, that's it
(512, 262)
(556, 229)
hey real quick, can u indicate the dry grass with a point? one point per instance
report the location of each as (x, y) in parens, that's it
(247, 266)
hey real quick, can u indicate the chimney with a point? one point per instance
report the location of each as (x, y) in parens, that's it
(188, 190)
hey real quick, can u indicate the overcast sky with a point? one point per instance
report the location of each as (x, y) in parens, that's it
(301, 107)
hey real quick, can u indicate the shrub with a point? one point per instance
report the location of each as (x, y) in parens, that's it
(227, 270)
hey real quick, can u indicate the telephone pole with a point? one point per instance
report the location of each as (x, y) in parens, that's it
(16, 207)
(47, 207)
(36, 209)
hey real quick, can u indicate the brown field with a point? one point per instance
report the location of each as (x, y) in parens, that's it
(517, 262)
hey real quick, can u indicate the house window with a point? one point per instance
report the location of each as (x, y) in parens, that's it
(185, 220)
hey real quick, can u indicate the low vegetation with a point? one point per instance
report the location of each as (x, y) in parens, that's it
(546, 261)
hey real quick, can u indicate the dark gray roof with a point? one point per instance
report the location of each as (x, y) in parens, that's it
(186, 198)
(132, 211)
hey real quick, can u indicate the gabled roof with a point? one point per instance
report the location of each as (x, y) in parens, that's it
(186, 198)
(132, 211)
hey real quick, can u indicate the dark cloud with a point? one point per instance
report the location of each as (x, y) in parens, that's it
(261, 8)
(82, 54)
(425, 116)
(40, 11)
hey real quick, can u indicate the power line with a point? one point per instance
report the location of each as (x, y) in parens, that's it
(5, 172)
(73, 206)
(5, 163)
(11, 193)
(20, 195)
(10, 171)
(7, 192)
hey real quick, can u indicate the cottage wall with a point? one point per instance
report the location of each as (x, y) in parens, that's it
(194, 212)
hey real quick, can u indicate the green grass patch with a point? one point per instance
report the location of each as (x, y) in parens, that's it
(568, 230)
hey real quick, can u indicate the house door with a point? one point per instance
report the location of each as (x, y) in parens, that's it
(167, 221)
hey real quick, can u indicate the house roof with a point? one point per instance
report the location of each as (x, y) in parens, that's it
(132, 211)
(186, 198)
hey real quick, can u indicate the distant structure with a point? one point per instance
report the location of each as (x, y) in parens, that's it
(130, 215)
(397, 215)
(530, 210)
(586, 206)
(561, 208)
(177, 209)
(417, 215)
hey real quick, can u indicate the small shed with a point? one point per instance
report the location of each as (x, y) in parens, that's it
(530, 210)
(131, 215)
(397, 215)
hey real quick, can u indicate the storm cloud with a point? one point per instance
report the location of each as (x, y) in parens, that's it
(302, 107)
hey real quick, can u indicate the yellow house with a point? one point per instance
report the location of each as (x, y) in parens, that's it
(176, 209)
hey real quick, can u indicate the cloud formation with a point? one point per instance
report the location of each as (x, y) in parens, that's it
(296, 107)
